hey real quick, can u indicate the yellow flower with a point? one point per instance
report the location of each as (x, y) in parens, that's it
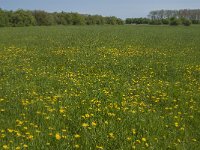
(17, 148)
(5, 147)
(25, 146)
(133, 131)
(144, 139)
(62, 110)
(194, 140)
(30, 137)
(58, 137)
(111, 135)
(87, 115)
(77, 136)
(128, 138)
(10, 130)
(99, 147)
(76, 146)
(85, 125)
(176, 124)
(94, 123)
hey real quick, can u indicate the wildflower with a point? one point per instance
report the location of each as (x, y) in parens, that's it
(17, 148)
(58, 137)
(99, 147)
(144, 139)
(5, 147)
(94, 123)
(25, 146)
(176, 124)
(111, 135)
(128, 138)
(77, 136)
(138, 141)
(133, 131)
(194, 140)
(76, 146)
(62, 110)
(146, 144)
(87, 115)
(85, 125)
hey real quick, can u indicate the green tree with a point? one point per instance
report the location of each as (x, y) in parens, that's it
(22, 18)
(174, 21)
(186, 22)
(43, 18)
(78, 19)
(4, 18)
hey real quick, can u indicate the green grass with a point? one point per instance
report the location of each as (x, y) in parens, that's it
(100, 87)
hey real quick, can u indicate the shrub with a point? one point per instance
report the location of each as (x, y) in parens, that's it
(174, 21)
(186, 22)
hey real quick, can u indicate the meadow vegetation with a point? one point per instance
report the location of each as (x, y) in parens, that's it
(100, 87)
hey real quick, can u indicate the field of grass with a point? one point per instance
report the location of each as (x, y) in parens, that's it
(100, 87)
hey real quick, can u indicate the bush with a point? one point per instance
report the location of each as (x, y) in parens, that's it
(165, 21)
(186, 22)
(155, 22)
(174, 21)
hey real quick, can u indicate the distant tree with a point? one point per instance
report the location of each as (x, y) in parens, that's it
(186, 22)
(155, 22)
(78, 19)
(195, 21)
(43, 18)
(165, 21)
(22, 18)
(111, 20)
(4, 18)
(128, 21)
(174, 21)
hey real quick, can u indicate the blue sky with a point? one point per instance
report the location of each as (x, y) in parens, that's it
(119, 8)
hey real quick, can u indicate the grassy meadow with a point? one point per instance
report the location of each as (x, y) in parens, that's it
(100, 87)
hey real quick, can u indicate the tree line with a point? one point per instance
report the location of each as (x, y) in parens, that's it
(169, 17)
(21, 18)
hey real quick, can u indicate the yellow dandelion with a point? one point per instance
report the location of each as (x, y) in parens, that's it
(87, 115)
(17, 148)
(99, 147)
(144, 139)
(5, 147)
(58, 137)
(133, 131)
(77, 146)
(176, 124)
(128, 138)
(62, 110)
(85, 125)
(111, 135)
(25, 146)
(77, 136)
(94, 123)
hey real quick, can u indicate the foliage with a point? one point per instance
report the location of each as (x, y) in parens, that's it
(42, 18)
(22, 18)
(174, 21)
(137, 21)
(186, 22)
(155, 22)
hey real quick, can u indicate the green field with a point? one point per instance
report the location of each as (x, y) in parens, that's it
(100, 87)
